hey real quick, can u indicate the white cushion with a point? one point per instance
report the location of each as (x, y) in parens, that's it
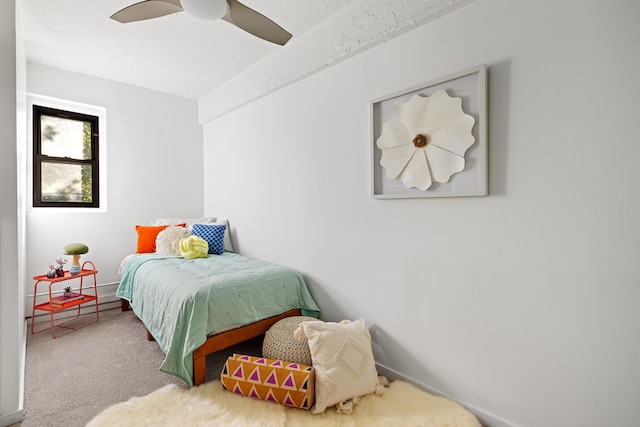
(343, 361)
(188, 221)
(228, 246)
(168, 240)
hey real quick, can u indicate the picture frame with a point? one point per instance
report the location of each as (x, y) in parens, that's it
(471, 87)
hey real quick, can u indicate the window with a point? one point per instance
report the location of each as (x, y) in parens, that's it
(65, 159)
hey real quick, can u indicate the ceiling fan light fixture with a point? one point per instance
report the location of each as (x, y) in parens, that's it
(205, 9)
(232, 11)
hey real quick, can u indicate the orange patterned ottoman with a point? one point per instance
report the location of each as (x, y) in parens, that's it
(288, 383)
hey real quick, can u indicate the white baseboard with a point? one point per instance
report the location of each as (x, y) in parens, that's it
(487, 419)
(11, 418)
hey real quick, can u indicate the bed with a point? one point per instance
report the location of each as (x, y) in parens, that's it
(194, 307)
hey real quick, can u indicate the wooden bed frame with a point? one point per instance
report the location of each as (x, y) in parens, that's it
(223, 340)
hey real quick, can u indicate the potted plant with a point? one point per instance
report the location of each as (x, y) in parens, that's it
(67, 291)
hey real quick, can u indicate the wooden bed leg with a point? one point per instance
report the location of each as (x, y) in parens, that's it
(124, 304)
(199, 370)
(149, 336)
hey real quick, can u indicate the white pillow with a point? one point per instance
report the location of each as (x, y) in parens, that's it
(188, 221)
(343, 361)
(228, 246)
(168, 240)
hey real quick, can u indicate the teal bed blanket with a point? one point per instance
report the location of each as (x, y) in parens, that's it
(181, 301)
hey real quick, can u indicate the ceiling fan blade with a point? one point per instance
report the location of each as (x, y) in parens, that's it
(256, 23)
(147, 9)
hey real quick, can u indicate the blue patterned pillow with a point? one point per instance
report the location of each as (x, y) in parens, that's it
(213, 234)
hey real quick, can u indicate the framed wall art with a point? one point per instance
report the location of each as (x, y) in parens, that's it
(431, 140)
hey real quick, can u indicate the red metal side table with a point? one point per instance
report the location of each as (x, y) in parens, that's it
(52, 309)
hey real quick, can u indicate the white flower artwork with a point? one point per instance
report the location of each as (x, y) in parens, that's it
(426, 140)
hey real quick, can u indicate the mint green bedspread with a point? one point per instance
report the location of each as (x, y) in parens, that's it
(181, 301)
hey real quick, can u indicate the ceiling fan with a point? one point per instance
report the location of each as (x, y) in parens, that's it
(231, 11)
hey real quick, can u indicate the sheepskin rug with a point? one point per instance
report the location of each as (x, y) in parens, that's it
(210, 405)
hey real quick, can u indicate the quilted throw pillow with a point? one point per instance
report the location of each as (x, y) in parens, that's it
(288, 383)
(213, 234)
(343, 361)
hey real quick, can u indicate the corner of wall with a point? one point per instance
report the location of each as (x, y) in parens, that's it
(487, 419)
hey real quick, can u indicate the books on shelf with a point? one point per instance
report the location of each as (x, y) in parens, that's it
(62, 300)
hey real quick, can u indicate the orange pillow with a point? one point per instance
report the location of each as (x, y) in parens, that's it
(147, 236)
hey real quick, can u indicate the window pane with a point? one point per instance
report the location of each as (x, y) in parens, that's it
(65, 138)
(63, 182)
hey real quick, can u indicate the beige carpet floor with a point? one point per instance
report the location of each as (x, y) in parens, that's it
(71, 379)
(210, 405)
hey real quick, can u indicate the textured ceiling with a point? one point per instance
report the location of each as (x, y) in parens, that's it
(182, 55)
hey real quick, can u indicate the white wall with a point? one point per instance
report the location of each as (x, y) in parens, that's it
(522, 304)
(11, 312)
(154, 169)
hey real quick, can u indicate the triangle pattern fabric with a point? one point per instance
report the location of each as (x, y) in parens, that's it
(237, 389)
(239, 373)
(272, 379)
(254, 393)
(287, 383)
(270, 396)
(254, 376)
(305, 403)
(288, 400)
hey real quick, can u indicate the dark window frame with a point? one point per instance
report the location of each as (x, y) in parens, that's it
(39, 158)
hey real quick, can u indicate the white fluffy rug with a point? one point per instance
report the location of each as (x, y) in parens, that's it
(210, 405)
